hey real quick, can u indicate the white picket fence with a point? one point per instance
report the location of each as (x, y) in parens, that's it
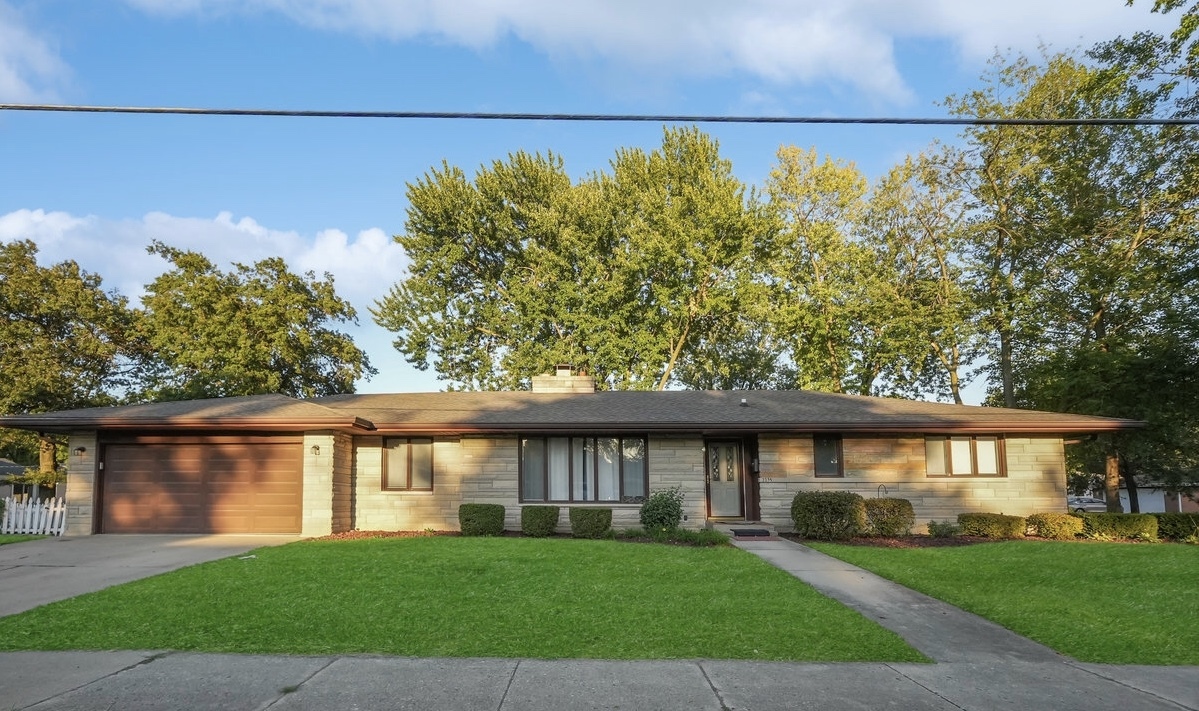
(47, 517)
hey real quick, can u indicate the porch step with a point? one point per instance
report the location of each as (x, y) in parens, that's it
(744, 529)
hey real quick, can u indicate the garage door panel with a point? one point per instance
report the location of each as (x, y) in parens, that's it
(249, 486)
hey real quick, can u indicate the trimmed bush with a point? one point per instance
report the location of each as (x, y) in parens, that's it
(889, 517)
(992, 525)
(1058, 526)
(481, 519)
(539, 521)
(1119, 526)
(943, 529)
(828, 515)
(1178, 526)
(589, 522)
(663, 510)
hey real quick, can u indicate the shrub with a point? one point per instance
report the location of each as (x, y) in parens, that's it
(677, 536)
(1178, 526)
(992, 525)
(1058, 526)
(539, 521)
(943, 529)
(828, 515)
(889, 517)
(589, 522)
(662, 510)
(481, 519)
(1119, 526)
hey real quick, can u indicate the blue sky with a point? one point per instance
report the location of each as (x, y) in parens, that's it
(327, 194)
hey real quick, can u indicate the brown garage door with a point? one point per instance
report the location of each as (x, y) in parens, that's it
(202, 485)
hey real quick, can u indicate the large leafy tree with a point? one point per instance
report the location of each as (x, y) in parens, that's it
(257, 329)
(62, 340)
(631, 275)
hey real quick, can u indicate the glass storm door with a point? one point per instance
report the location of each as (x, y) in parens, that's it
(724, 480)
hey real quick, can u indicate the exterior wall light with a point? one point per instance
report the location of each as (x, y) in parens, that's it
(316, 449)
(79, 451)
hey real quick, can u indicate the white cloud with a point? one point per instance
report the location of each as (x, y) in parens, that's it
(784, 41)
(363, 267)
(29, 66)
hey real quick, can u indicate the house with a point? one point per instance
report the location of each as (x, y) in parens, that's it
(1157, 499)
(271, 463)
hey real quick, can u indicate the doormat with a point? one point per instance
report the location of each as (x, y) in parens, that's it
(749, 532)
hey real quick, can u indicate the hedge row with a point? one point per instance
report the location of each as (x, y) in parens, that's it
(1119, 526)
(1058, 526)
(488, 520)
(1178, 526)
(992, 525)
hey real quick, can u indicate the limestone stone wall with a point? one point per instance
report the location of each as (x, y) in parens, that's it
(318, 495)
(485, 470)
(894, 467)
(81, 484)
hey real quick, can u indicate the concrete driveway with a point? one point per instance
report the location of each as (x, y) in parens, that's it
(38, 572)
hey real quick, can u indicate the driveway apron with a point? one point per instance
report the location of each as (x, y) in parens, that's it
(35, 573)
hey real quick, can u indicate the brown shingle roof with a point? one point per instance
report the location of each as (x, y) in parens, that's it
(689, 410)
(671, 411)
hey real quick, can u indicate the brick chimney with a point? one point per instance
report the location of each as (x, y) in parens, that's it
(563, 380)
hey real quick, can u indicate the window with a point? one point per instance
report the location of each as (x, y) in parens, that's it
(964, 456)
(408, 464)
(827, 455)
(583, 469)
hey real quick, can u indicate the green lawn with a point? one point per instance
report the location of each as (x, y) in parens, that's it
(1114, 603)
(448, 596)
(17, 538)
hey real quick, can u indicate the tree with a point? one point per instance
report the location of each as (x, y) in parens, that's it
(62, 340)
(258, 329)
(625, 274)
(915, 224)
(1086, 243)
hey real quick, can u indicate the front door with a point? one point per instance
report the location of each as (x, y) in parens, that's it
(724, 480)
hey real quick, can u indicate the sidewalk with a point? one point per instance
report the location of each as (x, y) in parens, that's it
(979, 666)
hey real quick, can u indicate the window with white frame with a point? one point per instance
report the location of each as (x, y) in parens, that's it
(964, 456)
(589, 468)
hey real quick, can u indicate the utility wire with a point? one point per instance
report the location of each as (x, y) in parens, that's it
(627, 118)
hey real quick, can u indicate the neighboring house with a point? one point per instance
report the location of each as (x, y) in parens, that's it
(406, 461)
(1153, 499)
(8, 469)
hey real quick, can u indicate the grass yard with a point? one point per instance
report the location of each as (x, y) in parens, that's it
(459, 597)
(17, 538)
(1112, 603)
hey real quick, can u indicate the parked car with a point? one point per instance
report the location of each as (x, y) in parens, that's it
(1086, 504)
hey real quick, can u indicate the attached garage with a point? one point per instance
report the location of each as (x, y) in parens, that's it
(201, 484)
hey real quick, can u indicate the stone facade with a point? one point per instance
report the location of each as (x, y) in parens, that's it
(485, 470)
(1035, 478)
(81, 484)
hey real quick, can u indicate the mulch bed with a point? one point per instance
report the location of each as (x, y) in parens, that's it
(905, 541)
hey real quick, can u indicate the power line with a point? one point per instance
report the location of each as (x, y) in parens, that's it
(627, 118)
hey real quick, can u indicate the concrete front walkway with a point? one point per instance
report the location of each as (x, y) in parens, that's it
(34, 573)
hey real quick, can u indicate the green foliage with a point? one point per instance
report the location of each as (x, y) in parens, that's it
(1118, 526)
(590, 522)
(662, 509)
(992, 525)
(1178, 526)
(889, 517)
(539, 521)
(626, 274)
(257, 329)
(828, 515)
(1057, 526)
(481, 519)
(676, 536)
(944, 529)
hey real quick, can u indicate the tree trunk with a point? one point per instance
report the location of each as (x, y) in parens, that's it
(1111, 482)
(1130, 485)
(1005, 368)
(47, 455)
